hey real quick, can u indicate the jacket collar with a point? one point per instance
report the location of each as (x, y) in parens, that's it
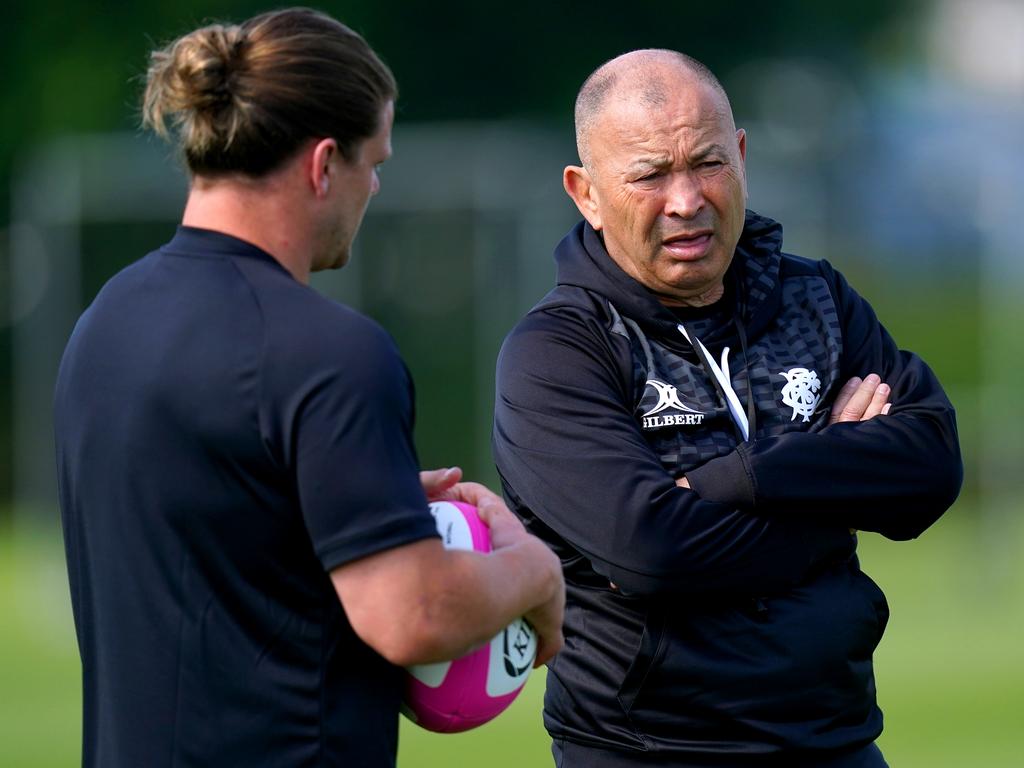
(583, 261)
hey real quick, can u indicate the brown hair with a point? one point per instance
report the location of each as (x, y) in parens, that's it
(242, 98)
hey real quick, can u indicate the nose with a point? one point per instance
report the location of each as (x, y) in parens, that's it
(685, 196)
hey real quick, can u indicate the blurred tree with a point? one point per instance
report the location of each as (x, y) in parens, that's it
(76, 66)
(73, 66)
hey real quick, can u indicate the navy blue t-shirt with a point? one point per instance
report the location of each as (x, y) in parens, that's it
(225, 437)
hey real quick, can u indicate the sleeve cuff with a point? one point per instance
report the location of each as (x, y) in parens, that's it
(726, 480)
(395, 533)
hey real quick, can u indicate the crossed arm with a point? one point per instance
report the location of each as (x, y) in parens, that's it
(858, 400)
(762, 516)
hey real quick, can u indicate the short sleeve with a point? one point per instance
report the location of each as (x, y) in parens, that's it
(355, 463)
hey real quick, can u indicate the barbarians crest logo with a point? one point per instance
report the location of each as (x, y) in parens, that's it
(801, 391)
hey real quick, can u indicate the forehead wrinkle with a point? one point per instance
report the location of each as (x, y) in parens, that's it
(633, 135)
(650, 75)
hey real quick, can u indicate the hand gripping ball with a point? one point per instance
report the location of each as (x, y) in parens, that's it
(457, 695)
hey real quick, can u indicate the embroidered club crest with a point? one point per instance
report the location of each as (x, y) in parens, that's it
(801, 391)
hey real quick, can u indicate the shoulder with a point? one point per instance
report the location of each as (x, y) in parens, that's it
(568, 315)
(303, 327)
(336, 339)
(792, 266)
(315, 346)
(800, 267)
(843, 294)
(797, 268)
(567, 310)
(567, 337)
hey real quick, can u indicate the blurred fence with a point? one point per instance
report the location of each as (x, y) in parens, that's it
(453, 250)
(458, 245)
(455, 245)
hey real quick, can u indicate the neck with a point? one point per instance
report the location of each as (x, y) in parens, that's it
(710, 296)
(253, 210)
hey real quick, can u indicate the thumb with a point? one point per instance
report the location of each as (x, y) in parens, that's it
(436, 482)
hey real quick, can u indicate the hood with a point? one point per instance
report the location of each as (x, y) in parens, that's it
(583, 261)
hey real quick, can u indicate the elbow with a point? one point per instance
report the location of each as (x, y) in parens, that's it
(399, 652)
(412, 639)
(416, 649)
(386, 639)
(931, 485)
(926, 508)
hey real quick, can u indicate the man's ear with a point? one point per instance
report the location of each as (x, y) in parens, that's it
(321, 170)
(741, 143)
(579, 186)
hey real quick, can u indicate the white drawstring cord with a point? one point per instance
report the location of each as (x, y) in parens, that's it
(722, 374)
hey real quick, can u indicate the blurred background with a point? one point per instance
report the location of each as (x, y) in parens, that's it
(886, 135)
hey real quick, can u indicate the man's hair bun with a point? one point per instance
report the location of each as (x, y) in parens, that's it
(242, 98)
(192, 86)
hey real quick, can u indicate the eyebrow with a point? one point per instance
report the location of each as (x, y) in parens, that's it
(644, 163)
(662, 161)
(711, 149)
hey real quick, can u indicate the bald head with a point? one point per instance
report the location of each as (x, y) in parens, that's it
(646, 76)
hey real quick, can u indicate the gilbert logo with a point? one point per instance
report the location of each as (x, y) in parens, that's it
(668, 400)
(801, 391)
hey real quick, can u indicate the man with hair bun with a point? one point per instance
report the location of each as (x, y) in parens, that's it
(249, 546)
(697, 422)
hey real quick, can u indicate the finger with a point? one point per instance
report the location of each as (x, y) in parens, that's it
(878, 401)
(488, 504)
(505, 528)
(843, 398)
(436, 482)
(471, 493)
(858, 404)
(885, 409)
(682, 482)
(547, 647)
(546, 621)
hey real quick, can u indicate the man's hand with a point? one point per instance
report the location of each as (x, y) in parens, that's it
(508, 531)
(438, 483)
(860, 400)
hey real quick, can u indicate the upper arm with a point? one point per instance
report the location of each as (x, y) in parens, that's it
(348, 436)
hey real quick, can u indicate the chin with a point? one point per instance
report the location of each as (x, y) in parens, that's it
(339, 260)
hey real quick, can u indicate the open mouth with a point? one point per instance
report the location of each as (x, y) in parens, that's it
(688, 246)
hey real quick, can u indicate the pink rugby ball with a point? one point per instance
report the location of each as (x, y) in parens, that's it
(457, 695)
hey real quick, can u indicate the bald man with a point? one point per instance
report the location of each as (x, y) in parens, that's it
(697, 423)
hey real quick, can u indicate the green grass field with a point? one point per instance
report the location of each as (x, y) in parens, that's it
(950, 669)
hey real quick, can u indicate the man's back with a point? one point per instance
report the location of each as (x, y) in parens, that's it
(209, 630)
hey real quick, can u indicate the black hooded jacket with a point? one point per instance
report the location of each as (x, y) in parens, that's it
(731, 621)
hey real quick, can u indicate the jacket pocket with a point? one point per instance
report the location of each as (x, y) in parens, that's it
(750, 671)
(645, 660)
(875, 599)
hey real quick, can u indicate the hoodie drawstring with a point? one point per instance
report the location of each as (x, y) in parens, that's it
(746, 423)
